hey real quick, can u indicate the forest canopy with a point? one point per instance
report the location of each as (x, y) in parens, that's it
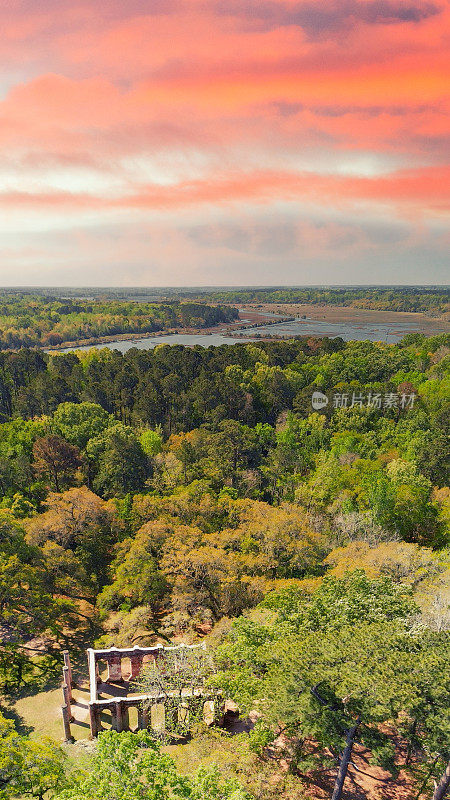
(196, 493)
(45, 321)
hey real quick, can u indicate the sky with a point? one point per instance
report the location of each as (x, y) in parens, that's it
(224, 142)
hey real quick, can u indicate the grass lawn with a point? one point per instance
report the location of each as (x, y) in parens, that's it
(40, 714)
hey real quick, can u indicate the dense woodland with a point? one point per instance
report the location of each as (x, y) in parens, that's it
(28, 320)
(194, 493)
(382, 299)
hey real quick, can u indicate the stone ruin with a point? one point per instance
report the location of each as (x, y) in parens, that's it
(150, 708)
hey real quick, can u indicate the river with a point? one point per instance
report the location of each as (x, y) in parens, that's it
(372, 331)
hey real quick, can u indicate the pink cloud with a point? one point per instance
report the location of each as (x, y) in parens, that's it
(425, 190)
(182, 104)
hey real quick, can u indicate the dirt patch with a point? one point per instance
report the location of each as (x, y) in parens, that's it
(367, 782)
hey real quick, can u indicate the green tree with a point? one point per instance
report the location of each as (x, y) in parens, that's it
(130, 766)
(230, 450)
(29, 768)
(77, 523)
(120, 463)
(151, 442)
(337, 665)
(293, 456)
(79, 422)
(433, 451)
(137, 578)
(16, 450)
(402, 502)
(27, 608)
(342, 601)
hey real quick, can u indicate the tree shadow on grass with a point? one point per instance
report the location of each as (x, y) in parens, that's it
(30, 689)
(19, 723)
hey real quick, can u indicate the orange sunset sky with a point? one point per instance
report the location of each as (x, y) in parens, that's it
(218, 142)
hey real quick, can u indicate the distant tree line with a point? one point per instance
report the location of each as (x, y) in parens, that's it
(43, 321)
(401, 298)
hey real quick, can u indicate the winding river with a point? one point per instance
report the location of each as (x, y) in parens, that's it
(373, 331)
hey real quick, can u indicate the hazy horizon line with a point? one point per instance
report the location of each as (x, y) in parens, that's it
(233, 286)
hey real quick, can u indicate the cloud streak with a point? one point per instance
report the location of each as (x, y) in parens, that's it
(423, 190)
(323, 19)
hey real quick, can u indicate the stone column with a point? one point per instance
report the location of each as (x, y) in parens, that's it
(114, 667)
(67, 664)
(183, 713)
(114, 716)
(209, 712)
(66, 723)
(125, 717)
(158, 717)
(170, 715)
(158, 651)
(93, 670)
(136, 664)
(119, 716)
(143, 716)
(94, 719)
(67, 682)
(67, 700)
